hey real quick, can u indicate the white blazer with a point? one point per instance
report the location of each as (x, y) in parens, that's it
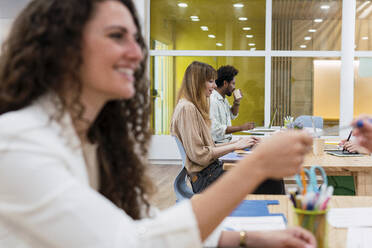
(46, 200)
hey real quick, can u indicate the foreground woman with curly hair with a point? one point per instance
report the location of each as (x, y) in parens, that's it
(74, 136)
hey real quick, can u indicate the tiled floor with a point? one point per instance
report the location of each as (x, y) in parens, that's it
(163, 177)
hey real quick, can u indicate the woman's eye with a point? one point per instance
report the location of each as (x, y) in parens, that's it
(116, 35)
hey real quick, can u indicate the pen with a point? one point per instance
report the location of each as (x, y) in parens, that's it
(348, 138)
(292, 195)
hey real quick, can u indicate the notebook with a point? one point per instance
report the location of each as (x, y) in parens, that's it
(341, 153)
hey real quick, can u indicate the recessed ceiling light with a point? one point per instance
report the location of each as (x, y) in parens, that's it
(219, 44)
(365, 38)
(182, 5)
(324, 6)
(194, 17)
(246, 28)
(211, 36)
(243, 18)
(238, 5)
(307, 38)
(204, 28)
(303, 46)
(249, 36)
(318, 20)
(312, 30)
(251, 44)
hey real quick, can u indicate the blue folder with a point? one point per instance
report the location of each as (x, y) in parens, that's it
(231, 157)
(249, 208)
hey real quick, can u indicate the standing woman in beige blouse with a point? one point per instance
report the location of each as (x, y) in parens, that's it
(191, 125)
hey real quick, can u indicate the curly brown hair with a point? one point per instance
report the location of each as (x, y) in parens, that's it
(42, 51)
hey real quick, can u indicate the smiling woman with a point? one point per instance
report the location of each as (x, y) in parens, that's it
(111, 55)
(74, 113)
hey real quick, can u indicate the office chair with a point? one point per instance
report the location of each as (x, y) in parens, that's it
(306, 121)
(180, 187)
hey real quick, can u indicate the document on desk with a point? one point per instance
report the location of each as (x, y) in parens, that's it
(359, 237)
(255, 223)
(350, 217)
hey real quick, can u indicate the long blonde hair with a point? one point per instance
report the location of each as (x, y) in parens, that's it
(193, 86)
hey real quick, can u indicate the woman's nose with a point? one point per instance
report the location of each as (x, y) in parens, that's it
(134, 51)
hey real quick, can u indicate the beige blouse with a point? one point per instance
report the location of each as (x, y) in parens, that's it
(190, 128)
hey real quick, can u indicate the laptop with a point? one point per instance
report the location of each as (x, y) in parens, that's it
(269, 129)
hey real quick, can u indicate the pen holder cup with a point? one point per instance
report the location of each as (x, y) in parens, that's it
(314, 221)
(318, 146)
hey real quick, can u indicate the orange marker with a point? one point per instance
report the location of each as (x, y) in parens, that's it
(303, 179)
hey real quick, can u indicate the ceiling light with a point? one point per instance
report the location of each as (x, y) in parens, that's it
(211, 36)
(194, 17)
(238, 5)
(365, 38)
(312, 30)
(318, 20)
(219, 44)
(243, 18)
(307, 38)
(303, 46)
(324, 6)
(182, 5)
(251, 44)
(249, 36)
(246, 28)
(362, 6)
(365, 12)
(204, 28)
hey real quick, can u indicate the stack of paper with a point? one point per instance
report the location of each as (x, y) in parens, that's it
(254, 223)
(359, 237)
(350, 217)
(359, 222)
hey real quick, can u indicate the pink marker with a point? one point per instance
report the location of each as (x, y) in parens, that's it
(324, 204)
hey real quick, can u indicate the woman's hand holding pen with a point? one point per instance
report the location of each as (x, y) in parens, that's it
(352, 146)
(282, 154)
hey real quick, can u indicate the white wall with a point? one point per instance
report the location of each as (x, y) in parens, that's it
(5, 24)
(163, 150)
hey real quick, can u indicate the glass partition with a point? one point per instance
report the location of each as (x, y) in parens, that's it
(363, 25)
(208, 25)
(306, 86)
(362, 86)
(166, 78)
(306, 25)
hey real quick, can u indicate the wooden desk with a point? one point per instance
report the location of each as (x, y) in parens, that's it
(358, 167)
(337, 236)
